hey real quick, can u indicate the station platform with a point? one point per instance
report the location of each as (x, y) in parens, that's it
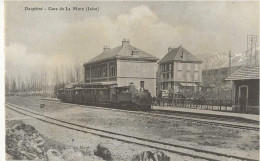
(208, 112)
(197, 111)
(51, 99)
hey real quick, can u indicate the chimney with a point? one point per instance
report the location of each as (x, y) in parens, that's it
(125, 42)
(135, 51)
(106, 48)
(169, 49)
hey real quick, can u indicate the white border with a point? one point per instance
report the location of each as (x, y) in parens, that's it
(2, 83)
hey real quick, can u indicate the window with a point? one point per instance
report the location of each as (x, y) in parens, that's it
(98, 72)
(87, 73)
(165, 67)
(113, 71)
(142, 84)
(188, 67)
(169, 85)
(170, 66)
(168, 76)
(196, 67)
(93, 73)
(162, 67)
(104, 72)
(179, 75)
(196, 76)
(188, 76)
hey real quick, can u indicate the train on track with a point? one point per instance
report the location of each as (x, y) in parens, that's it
(126, 97)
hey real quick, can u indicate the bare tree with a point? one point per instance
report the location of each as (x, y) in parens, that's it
(7, 84)
(13, 87)
(77, 69)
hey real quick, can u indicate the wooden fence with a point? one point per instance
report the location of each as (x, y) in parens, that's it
(206, 104)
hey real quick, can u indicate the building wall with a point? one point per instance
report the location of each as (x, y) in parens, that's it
(136, 71)
(187, 72)
(178, 72)
(253, 95)
(149, 84)
(101, 72)
(126, 72)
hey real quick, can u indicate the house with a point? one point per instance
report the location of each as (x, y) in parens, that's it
(179, 69)
(123, 65)
(245, 85)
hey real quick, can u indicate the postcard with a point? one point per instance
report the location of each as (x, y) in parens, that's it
(131, 80)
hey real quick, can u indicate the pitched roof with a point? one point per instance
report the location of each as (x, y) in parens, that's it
(248, 72)
(179, 54)
(122, 52)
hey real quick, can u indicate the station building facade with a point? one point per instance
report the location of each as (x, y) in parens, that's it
(179, 69)
(123, 65)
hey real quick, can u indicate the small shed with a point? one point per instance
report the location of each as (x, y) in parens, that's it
(245, 86)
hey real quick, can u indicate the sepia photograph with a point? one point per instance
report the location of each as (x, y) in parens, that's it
(131, 80)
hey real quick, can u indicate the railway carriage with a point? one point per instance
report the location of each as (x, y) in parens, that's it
(78, 97)
(97, 94)
(69, 94)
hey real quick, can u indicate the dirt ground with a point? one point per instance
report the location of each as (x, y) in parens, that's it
(56, 137)
(209, 137)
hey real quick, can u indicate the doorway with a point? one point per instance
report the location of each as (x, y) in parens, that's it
(142, 84)
(243, 98)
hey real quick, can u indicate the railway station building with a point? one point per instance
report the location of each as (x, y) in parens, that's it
(179, 69)
(245, 89)
(123, 65)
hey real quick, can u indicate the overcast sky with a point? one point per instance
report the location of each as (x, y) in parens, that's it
(46, 38)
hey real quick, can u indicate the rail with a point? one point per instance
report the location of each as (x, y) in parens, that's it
(173, 148)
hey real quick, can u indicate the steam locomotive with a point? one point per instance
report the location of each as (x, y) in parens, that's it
(126, 97)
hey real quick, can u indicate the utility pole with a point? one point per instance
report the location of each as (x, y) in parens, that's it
(230, 72)
(230, 67)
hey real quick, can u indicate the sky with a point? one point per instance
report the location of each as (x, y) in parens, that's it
(36, 40)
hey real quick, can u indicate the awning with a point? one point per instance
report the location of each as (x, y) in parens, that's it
(188, 84)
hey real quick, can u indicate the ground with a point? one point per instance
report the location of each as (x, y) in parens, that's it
(209, 137)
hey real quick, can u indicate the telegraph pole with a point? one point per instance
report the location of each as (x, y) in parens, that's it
(230, 61)
(230, 72)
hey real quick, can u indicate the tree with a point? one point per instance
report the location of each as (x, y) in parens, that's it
(13, 87)
(7, 85)
(77, 72)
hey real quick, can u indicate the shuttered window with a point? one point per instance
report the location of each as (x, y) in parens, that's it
(196, 67)
(196, 76)
(188, 67)
(188, 76)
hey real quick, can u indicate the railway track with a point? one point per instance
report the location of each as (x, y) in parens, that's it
(181, 117)
(172, 148)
